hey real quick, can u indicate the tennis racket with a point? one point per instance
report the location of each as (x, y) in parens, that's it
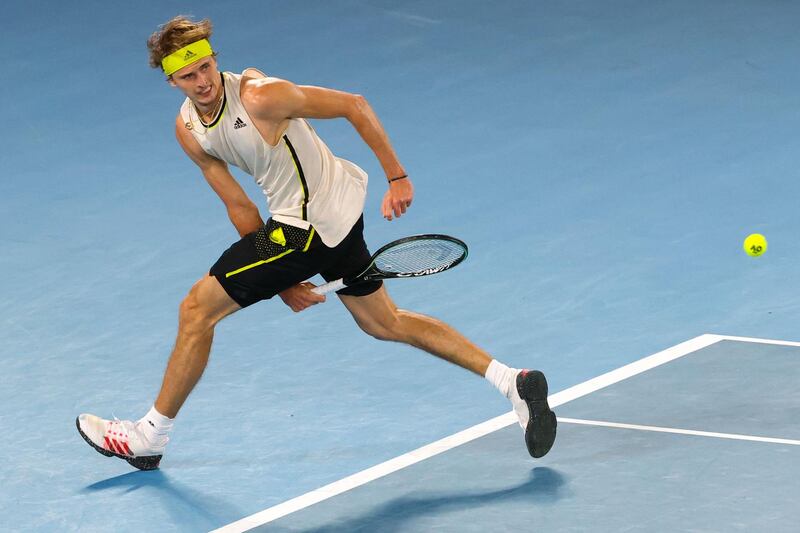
(410, 257)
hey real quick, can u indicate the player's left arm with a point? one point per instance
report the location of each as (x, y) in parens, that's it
(274, 101)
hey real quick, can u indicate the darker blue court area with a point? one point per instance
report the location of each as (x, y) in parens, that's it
(610, 479)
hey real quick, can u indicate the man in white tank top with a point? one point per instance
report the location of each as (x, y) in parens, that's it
(259, 124)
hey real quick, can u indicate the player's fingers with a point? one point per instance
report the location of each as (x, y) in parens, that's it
(401, 204)
(386, 207)
(310, 297)
(397, 209)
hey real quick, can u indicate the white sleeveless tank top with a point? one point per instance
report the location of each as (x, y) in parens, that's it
(304, 182)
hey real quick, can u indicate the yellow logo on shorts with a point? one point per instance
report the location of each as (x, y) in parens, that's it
(278, 237)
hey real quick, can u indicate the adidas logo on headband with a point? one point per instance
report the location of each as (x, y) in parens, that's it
(186, 56)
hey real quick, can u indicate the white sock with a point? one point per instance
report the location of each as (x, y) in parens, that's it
(155, 426)
(502, 377)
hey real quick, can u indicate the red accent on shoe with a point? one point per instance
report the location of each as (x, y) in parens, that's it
(111, 445)
(119, 447)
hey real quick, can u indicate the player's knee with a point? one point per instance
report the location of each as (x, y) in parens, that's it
(193, 314)
(384, 328)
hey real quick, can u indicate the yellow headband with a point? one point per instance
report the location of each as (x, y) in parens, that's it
(186, 56)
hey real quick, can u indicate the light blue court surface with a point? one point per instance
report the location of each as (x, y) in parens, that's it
(604, 160)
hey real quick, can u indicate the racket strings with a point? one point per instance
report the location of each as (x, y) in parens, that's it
(419, 256)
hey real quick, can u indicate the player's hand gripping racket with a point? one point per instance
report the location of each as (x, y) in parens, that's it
(420, 255)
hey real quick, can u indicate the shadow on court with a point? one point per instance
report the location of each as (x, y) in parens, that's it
(543, 485)
(188, 507)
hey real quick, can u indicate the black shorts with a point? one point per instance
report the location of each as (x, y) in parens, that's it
(278, 256)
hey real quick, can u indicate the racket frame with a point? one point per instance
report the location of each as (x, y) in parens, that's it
(379, 274)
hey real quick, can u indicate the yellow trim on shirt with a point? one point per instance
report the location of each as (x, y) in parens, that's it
(310, 236)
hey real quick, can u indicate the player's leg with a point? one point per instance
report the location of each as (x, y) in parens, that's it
(206, 304)
(253, 269)
(142, 442)
(377, 315)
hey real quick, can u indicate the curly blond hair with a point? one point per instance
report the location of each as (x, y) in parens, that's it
(174, 35)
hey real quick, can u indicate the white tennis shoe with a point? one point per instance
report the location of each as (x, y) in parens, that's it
(123, 439)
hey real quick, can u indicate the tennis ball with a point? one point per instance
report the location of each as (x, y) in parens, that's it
(755, 244)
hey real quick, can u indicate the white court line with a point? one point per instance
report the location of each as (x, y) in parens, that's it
(657, 429)
(758, 341)
(392, 465)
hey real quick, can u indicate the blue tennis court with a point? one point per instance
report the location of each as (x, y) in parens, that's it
(604, 161)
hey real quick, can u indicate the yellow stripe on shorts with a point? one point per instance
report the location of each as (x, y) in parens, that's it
(248, 267)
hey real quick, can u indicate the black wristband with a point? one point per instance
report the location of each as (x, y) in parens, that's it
(404, 176)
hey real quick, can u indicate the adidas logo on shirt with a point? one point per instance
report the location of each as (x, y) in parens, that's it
(239, 123)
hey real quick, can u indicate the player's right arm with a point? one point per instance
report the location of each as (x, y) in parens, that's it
(241, 210)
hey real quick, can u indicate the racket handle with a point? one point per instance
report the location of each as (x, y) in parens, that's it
(330, 286)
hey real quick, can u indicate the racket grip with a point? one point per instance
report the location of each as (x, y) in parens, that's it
(330, 286)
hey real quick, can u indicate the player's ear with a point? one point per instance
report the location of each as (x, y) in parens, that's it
(171, 82)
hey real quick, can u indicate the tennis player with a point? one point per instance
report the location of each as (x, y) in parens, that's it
(259, 124)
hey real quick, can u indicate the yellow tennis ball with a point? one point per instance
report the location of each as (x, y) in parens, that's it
(755, 244)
